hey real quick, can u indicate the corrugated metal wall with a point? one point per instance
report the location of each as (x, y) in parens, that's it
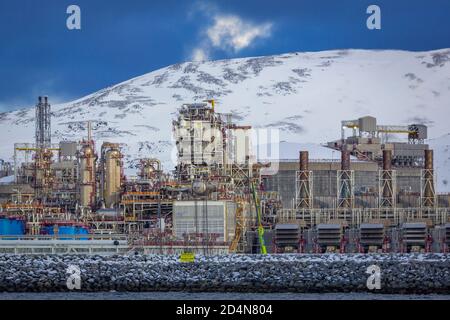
(204, 217)
(325, 185)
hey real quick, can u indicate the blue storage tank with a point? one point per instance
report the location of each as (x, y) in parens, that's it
(4, 227)
(82, 230)
(18, 227)
(66, 230)
(12, 226)
(47, 230)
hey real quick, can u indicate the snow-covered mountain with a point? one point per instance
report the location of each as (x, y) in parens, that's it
(305, 95)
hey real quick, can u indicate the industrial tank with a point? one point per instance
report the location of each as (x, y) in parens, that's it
(65, 231)
(82, 230)
(50, 229)
(11, 226)
(112, 174)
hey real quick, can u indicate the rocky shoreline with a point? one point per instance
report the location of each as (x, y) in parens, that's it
(399, 273)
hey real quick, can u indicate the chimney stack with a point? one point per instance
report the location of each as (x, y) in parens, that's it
(345, 160)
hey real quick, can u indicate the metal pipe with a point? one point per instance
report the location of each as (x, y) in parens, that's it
(429, 159)
(429, 177)
(387, 159)
(304, 176)
(304, 161)
(345, 159)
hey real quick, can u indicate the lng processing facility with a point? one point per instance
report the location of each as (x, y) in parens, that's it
(74, 197)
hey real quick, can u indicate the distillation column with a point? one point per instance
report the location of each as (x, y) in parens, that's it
(111, 174)
(87, 175)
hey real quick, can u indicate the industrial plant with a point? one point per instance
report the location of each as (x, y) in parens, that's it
(74, 196)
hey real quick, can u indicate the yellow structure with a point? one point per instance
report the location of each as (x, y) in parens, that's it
(111, 173)
(87, 160)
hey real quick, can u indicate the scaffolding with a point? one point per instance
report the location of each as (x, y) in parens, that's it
(238, 242)
(304, 189)
(43, 129)
(387, 189)
(345, 189)
(427, 189)
(199, 135)
(24, 156)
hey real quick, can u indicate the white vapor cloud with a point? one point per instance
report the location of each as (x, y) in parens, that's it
(199, 55)
(232, 33)
(226, 32)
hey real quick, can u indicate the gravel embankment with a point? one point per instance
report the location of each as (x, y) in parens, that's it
(400, 273)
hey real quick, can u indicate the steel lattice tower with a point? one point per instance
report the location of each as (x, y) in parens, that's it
(43, 131)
